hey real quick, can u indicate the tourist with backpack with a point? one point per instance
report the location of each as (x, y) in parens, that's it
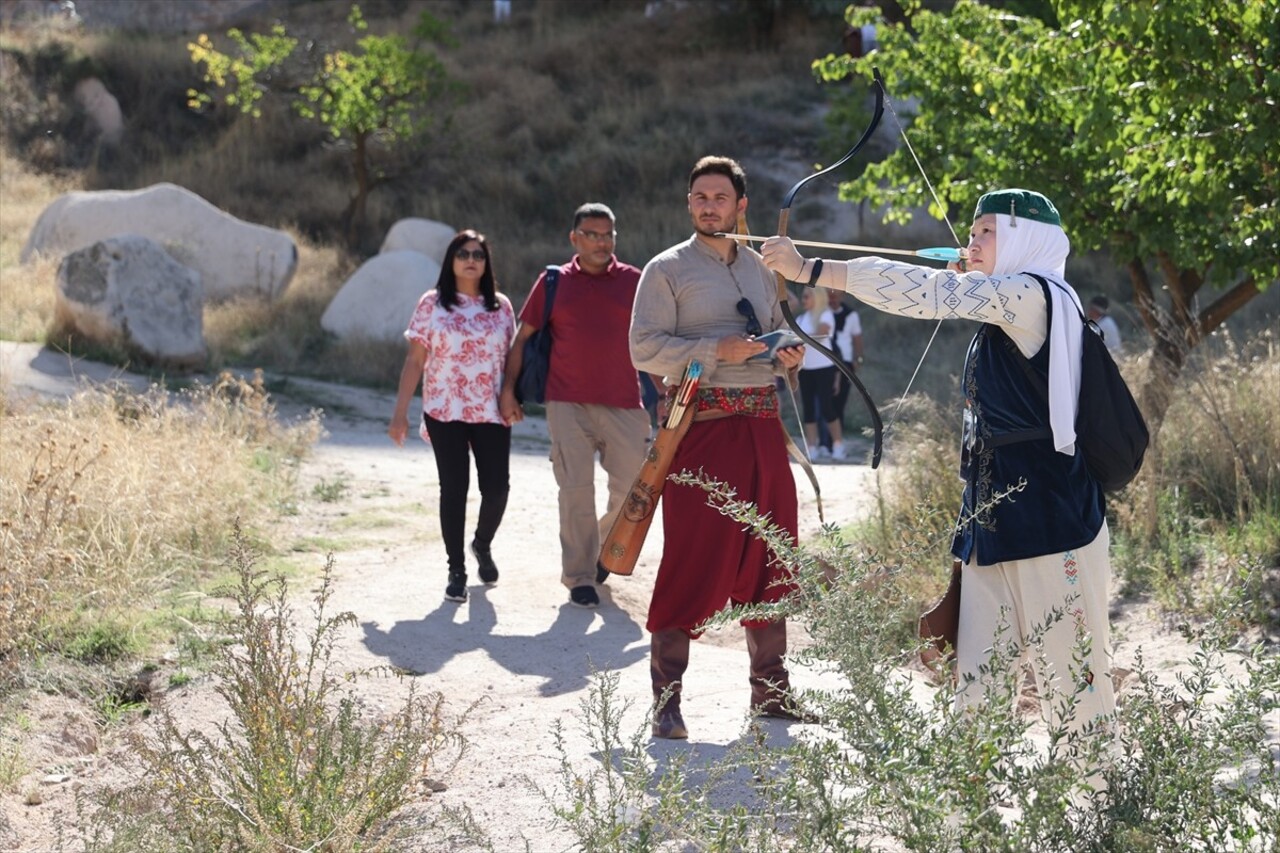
(1034, 560)
(593, 394)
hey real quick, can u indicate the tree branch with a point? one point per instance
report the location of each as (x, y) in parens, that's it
(1225, 305)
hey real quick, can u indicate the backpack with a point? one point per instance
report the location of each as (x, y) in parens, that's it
(531, 384)
(1110, 429)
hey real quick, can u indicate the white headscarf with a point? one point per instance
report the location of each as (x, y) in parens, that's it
(1025, 245)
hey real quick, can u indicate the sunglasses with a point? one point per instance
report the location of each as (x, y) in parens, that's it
(746, 310)
(471, 254)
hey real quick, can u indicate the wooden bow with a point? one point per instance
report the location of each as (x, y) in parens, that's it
(783, 216)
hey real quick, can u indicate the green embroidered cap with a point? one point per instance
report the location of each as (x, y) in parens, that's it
(1019, 204)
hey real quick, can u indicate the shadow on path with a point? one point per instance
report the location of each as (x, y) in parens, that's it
(564, 655)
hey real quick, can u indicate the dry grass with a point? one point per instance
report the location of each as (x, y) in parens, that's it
(26, 291)
(564, 106)
(1201, 525)
(97, 516)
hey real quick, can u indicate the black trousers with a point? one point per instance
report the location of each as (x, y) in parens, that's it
(817, 394)
(453, 443)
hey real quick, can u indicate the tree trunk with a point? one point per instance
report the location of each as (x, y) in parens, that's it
(353, 216)
(1175, 331)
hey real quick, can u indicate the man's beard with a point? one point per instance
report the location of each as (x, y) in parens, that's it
(711, 227)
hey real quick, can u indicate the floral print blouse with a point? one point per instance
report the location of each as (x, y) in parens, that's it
(466, 352)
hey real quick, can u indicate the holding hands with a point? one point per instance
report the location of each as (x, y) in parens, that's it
(510, 410)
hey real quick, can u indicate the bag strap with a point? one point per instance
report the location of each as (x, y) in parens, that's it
(549, 280)
(1037, 381)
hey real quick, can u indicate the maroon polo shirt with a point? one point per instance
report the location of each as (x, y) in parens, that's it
(590, 321)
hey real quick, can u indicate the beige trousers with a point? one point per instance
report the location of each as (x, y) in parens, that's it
(578, 432)
(1021, 594)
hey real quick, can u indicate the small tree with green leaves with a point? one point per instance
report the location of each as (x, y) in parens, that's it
(378, 92)
(1153, 127)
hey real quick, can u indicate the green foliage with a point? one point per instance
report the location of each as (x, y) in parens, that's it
(380, 86)
(1188, 763)
(329, 491)
(258, 55)
(104, 642)
(377, 88)
(302, 762)
(380, 90)
(1153, 130)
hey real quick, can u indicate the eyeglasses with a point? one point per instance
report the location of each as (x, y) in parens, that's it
(597, 236)
(471, 254)
(747, 310)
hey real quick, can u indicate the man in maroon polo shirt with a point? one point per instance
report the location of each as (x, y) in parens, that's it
(593, 391)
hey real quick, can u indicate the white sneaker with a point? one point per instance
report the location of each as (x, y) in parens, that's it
(839, 453)
(823, 453)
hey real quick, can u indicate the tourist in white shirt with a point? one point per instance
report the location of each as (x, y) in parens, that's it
(1098, 308)
(818, 379)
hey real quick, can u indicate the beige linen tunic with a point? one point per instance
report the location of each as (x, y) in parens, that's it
(686, 303)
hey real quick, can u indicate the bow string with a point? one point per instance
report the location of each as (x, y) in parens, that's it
(902, 131)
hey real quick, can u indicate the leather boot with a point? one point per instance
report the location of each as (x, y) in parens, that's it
(668, 658)
(770, 683)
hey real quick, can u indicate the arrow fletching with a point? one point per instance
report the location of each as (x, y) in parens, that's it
(941, 253)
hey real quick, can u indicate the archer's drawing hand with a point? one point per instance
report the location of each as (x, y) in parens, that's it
(780, 256)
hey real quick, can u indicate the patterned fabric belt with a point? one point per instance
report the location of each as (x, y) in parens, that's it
(759, 402)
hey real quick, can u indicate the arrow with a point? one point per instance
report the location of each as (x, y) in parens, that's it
(940, 253)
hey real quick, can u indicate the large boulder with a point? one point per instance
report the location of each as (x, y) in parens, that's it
(427, 236)
(233, 257)
(377, 302)
(129, 290)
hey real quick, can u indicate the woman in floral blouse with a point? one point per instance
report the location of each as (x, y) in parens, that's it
(458, 342)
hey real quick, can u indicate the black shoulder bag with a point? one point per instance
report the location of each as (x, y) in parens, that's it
(531, 384)
(1110, 429)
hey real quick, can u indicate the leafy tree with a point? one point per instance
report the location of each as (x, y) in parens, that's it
(1155, 127)
(379, 91)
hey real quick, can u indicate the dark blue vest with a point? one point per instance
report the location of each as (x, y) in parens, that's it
(1007, 442)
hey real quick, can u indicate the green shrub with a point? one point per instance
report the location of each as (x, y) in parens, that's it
(1188, 763)
(301, 763)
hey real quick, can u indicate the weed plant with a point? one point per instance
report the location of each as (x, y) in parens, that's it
(1188, 763)
(301, 763)
(97, 521)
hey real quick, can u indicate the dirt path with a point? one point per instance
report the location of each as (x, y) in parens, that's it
(518, 652)
(517, 655)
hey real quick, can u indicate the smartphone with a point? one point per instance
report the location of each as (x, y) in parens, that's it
(777, 339)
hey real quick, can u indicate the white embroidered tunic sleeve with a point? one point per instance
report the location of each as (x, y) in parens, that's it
(1013, 302)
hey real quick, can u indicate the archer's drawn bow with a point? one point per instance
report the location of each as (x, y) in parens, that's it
(783, 216)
